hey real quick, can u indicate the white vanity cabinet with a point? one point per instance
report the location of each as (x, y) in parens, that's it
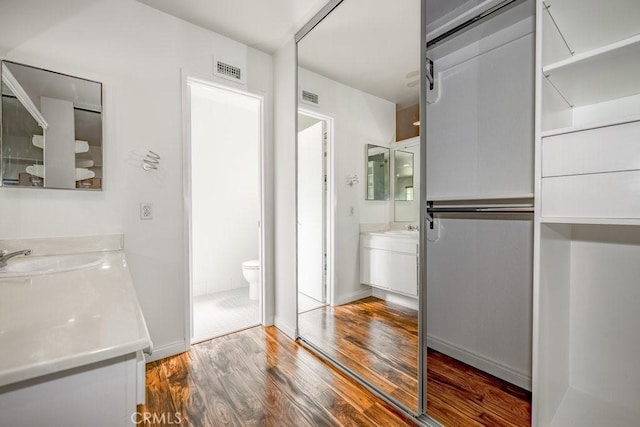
(72, 335)
(586, 341)
(99, 394)
(390, 262)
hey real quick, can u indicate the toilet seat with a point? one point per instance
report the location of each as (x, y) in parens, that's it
(253, 264)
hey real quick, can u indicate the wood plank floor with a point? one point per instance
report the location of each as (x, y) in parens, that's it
(257, 377)
(378, 340)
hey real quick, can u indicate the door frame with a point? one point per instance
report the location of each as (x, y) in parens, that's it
(189, 79)
(329, 203)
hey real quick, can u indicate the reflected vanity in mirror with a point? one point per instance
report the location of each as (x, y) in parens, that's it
(357, 271)
(51, 129)
(377, 172)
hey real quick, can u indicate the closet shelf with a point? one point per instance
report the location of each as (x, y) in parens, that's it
(603, 74)
(596, 125)
(580, 409)
(590, 221)
(589, 24)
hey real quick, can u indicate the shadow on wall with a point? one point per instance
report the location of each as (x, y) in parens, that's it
(14, 32)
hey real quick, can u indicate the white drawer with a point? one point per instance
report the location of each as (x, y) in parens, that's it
(606, 149)
(600, 195)
(394, 271)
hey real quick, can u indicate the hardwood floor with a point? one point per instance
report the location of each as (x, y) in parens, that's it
(461, 395)
(257, 377)
(379, 341)
(376, 340)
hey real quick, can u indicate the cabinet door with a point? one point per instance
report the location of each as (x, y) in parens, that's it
(395, 271)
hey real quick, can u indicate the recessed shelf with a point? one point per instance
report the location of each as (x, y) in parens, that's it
(587, 340)
(590, 221)
(580, 409)
(589, 24)
(596, 125)
(600, 75)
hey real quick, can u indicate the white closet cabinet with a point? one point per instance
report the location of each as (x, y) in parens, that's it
(480, 152)
(587, 225)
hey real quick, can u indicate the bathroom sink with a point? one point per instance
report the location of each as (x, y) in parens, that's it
(37, 266)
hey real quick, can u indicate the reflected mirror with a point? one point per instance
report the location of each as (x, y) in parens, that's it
(358, 300)
(406, 182)
(404, 175)
(377, 173)
(51, 129)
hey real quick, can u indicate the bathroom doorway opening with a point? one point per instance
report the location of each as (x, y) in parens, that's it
(314, 239)
(225, 209)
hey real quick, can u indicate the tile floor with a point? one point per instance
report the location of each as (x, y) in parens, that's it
(222, 313)
(306, 303)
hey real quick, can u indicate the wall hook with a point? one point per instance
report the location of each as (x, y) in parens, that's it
(352, 180)
(151, 161)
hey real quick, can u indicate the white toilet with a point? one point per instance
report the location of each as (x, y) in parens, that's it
(251, 272)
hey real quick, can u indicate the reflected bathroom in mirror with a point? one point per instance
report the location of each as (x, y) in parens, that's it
(404, 175)
(406, 182)
(51, 129)
(356, 268)
(377, 172)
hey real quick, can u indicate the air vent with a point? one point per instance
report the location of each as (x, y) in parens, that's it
(310, 97)
(228, 71)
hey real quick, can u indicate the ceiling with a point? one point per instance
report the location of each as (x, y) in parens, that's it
(371, 45)
(262, 24)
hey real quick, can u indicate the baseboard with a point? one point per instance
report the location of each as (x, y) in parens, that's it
(487, 365)
(394, 298)
(288, 330)
(345, 299)
(166, 350)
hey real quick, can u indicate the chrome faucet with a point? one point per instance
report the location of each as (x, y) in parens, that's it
(413, 227)
(6, 256)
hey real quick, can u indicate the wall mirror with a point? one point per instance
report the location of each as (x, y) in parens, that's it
(51, 129)
(377, 172)
(406, 182)
(358, 320)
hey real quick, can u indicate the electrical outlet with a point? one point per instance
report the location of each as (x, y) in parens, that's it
(146, 210)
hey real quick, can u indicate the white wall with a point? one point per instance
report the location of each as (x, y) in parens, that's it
(284, 88)
(359, 119)
(225, 187)
(138, 53)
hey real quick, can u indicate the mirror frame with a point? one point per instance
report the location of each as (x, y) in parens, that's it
(387, 173)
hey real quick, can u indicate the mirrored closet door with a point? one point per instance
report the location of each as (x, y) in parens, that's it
(358, 193)
(417, 277)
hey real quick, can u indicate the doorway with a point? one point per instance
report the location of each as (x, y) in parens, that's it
(224, 209)
(313, 239)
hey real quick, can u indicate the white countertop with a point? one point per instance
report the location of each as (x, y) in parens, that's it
(403, 234)
(55, 322)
